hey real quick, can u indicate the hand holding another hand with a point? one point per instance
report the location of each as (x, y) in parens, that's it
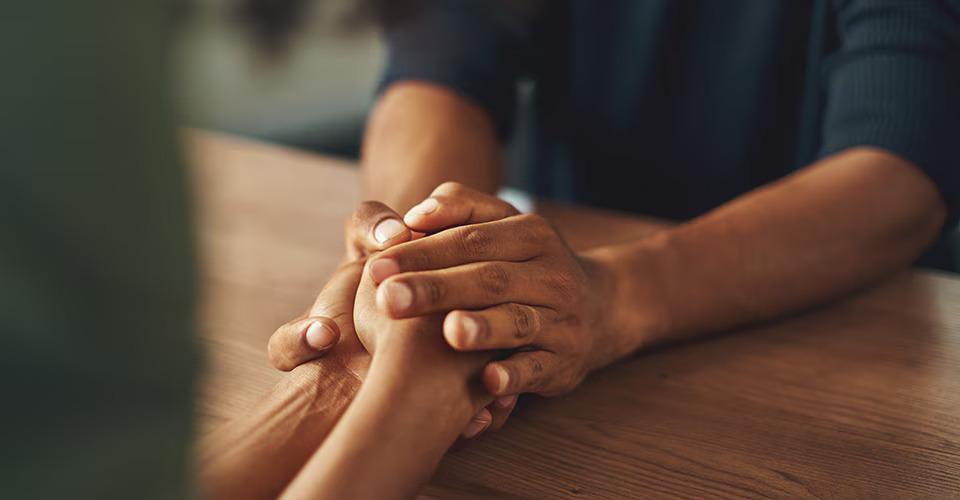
(330, 321)
(504, 281)
(490, 279)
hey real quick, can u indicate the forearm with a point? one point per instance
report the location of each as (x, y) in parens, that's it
(256, 455)
(831, 228)
(421, 135)
(410, 410)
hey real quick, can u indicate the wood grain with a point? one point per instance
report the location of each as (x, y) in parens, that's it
(857, 400)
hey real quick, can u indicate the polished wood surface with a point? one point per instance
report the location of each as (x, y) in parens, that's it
(860, 399)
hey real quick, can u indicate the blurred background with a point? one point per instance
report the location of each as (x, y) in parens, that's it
(292, 75)
(295, 72)
(304, 74)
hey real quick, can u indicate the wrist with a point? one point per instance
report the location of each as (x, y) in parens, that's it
(417, 363)
(325, 381)
(261, 446)
(629, 282)
(428, 366)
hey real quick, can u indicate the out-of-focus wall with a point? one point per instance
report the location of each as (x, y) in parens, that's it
(313, 94)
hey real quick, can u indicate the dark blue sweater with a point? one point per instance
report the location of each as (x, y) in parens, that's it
(671, 108)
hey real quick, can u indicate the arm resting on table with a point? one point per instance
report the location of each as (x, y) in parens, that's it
(410, 410)
(421, 135)
(835, 226)
(256, 455)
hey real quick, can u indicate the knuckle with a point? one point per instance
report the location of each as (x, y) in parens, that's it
(494, 279)
(536, 366)
(432, 290)
(526, 321)
(474, 241)
(363, 212)
(535, 226)
(408, 259)
(535, 372)
(533, 221)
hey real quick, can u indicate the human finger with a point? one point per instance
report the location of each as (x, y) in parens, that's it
(516, 239)
(374, 226)
(302, 340)
(503, 326)
(454, 204)
(529, 371)
(471, 286)
(478, 424)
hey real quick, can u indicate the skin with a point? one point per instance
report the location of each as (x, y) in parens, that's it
(321, 421)
(420, 135)
(417, 397)
(832, 227)
(271, 442)
(480, 276)
(371, 228)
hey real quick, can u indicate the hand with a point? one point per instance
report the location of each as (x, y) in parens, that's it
(506, 284)
(414, 345)
(372, 226)
(255, 455)
(418, 394)
(328, 323)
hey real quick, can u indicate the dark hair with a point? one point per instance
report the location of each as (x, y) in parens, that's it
(272, 22)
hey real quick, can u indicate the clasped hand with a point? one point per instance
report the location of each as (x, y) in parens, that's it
(496, 280)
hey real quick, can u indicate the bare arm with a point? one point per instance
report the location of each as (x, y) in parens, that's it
(257, 455)
(835, 226)
(407, 414)
(417, 397)
(421, 135)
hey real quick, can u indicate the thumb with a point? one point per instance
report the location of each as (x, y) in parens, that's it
(301, 340)
(374, 227)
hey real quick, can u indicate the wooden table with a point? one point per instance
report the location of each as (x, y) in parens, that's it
(860, 399)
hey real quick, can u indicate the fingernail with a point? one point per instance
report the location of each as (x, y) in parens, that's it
(470, 329)
(382, 269)
(399, 297)
(387, 230)
(506, 401)
(503, 378)
(425, 207)
(474, 428)
(319, 336)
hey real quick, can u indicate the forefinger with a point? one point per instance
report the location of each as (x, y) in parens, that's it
(514, 239)
(452, 204)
